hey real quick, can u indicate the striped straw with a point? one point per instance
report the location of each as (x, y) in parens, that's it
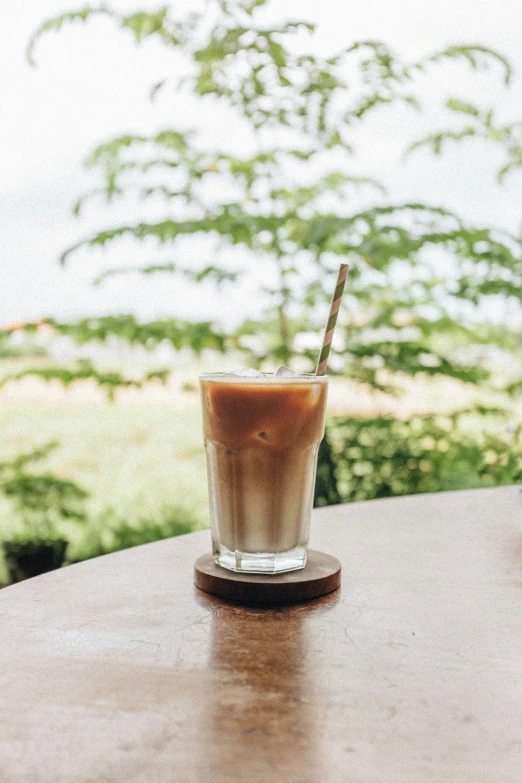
(332, 319)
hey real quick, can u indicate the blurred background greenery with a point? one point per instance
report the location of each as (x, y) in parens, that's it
(102, 444)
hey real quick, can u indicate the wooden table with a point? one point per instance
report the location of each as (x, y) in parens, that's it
(120, 670)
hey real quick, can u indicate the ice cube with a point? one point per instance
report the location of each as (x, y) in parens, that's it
(247, 372)
(285, 372)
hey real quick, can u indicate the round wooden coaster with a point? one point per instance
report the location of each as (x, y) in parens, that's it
(321, 575)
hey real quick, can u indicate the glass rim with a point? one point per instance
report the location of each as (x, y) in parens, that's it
(227, 377)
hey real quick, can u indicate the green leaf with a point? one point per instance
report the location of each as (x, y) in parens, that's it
(55, 24)
(477, 56)
(144, 24)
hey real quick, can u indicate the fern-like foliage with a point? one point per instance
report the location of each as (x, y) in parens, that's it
(42, 500)
(294, 207)
(479, 124)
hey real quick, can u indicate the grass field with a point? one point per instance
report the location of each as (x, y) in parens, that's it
(155, 452)
(138, 460)
(135, 459)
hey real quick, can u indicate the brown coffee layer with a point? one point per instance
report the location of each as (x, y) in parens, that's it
(261, 442)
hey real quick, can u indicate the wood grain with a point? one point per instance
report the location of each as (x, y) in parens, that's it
(120, 670)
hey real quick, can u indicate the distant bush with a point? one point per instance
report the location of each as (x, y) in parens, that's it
(383, 457)
(22, 351)
(51, 512)
(47, 508)
(112, 533)
(326, 492)
(42, 501)
(188, 387)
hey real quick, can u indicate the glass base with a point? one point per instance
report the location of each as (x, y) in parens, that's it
(260, 562)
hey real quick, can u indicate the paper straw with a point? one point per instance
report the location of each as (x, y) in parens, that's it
(332, 320)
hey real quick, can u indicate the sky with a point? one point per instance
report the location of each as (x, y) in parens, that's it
(91, 83)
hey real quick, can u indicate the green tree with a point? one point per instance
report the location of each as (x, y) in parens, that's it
(289, 201)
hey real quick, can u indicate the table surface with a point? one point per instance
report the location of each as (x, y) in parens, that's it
(120, 670)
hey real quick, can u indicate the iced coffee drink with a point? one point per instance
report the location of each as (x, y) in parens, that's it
(262, 433)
